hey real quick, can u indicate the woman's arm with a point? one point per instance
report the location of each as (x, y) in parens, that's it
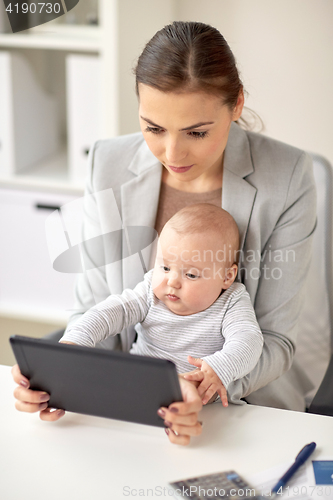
(279, 296)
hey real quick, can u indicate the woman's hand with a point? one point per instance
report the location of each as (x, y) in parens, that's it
(181, 419)
(32, 401)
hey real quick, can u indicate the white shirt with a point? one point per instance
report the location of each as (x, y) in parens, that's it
(226, 335)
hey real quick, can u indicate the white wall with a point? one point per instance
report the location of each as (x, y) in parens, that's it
(132, 16)
(284, 50)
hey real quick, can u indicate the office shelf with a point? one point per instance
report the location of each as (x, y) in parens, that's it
(50, 175)
(56, 37)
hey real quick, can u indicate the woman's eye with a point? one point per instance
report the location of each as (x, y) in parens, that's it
(192, 276)
(154, 130)
(198, 135)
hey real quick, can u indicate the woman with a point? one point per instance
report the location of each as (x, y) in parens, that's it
(192, 150)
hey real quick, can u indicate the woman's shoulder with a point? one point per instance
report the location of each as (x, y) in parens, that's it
(261, 158)
(264, 148)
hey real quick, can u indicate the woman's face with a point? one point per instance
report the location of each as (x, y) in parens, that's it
(187, 133)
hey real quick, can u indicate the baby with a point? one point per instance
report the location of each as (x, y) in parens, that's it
(189, 304)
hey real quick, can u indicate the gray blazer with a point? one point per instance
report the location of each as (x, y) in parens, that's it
(268, 188)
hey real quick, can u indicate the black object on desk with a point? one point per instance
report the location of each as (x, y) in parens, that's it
(98, 382)
(220, 485)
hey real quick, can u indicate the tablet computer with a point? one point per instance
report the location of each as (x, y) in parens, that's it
(98, 382)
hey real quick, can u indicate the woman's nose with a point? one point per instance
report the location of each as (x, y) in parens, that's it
(175, 153)
(173, 280)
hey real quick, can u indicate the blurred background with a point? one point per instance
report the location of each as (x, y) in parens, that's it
(69, 82)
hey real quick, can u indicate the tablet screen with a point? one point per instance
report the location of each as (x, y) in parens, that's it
(98, 382)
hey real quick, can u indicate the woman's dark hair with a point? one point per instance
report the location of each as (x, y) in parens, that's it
(190, 57)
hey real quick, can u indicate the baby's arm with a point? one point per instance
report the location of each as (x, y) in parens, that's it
(243, 340)
(240, 353)
(110, 316)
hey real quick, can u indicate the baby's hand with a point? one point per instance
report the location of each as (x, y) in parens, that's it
(209, 382)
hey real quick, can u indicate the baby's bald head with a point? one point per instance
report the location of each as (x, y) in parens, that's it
(203, 218)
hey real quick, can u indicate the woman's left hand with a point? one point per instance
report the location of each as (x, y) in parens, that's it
(181, 419)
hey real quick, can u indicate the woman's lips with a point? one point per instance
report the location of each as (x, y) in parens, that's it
(172, 297)
(180, 170)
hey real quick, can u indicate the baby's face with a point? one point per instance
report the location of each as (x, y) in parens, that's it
(190, 271)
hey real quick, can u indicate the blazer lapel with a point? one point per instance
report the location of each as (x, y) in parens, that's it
(139, 196)
(139, 203)
(238, 195)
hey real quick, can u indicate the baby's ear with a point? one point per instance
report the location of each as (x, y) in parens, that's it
(230, 276)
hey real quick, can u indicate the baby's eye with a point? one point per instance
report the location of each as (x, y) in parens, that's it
(192, 276)
(166, 269)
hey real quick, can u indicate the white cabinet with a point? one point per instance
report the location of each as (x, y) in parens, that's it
(29, 285)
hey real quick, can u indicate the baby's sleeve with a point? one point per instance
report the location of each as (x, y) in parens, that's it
(243, 339)
(111, 316)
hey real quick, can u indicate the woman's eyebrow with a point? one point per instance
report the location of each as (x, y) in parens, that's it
(186, 128)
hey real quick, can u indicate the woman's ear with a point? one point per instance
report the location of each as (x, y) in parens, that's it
(230, 276)
(239, 106)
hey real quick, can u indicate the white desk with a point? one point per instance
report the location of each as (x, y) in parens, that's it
(90, 458)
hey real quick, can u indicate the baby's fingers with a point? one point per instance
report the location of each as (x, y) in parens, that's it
(196, 376)
(194, 361)
(203, 387)
(208, 394)
(224, 396)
